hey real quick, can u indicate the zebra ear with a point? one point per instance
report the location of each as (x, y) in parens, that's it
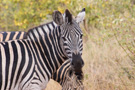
(80, 16)
(67, 16)
(57, 17)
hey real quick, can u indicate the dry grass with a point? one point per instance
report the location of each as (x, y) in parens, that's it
(105, 67)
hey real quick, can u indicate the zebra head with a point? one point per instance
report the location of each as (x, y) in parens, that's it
(71, 37)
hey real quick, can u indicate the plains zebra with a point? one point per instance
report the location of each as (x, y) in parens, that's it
(62, 74)
(29, 64)
(6, 36)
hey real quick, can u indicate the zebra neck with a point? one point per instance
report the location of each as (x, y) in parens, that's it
(62, 72)
(46, 44)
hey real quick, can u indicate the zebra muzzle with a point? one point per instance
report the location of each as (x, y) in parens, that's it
(77, 63)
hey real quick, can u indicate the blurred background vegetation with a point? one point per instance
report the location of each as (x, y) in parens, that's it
(109, 35)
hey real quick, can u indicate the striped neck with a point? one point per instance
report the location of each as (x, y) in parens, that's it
(48, 45)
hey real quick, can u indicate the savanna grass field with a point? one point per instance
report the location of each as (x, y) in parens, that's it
(108, 36)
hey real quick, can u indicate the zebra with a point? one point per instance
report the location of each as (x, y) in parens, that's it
(61, 73)
(6, 36)
(29, 63)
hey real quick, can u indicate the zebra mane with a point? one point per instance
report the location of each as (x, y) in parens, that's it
(41, 25)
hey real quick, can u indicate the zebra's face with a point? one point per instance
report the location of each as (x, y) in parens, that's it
(71, 37)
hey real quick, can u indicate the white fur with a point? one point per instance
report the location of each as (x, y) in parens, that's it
(80, 17)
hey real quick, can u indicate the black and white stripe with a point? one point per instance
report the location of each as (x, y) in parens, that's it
(29, 64)
(6, 36)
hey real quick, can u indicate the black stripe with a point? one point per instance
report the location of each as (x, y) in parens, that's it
(18, 35)
(7, 63)
(53, 25)
(11, 35)
(24, 35)
(4, 36)
(15, 53)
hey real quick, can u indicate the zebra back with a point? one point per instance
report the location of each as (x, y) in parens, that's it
(6, 36)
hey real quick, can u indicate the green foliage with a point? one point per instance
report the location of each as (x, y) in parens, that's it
(22, 14)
